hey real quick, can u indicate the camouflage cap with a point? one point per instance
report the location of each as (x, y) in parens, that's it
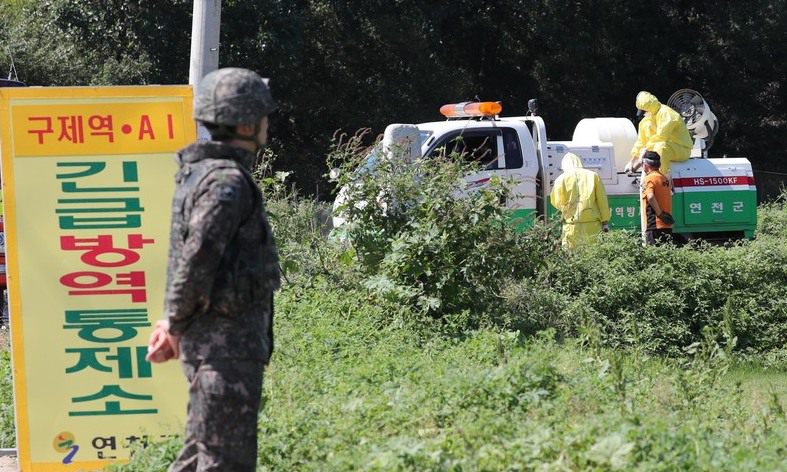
(232, 96)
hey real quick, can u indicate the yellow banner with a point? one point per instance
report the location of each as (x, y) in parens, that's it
(88, 176)
(102, 128)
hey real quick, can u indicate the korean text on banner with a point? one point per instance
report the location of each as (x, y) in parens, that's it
(88, 176)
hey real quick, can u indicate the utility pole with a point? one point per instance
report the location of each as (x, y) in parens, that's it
(205, 27)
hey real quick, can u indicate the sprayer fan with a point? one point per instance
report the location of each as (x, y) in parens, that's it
(689, 104)
(696, 113)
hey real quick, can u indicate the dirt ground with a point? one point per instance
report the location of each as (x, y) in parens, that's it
(8, 464)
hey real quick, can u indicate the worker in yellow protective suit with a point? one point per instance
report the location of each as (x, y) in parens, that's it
(661, 130)
(580, 197)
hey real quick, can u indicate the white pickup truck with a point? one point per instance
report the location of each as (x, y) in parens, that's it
(713, 198)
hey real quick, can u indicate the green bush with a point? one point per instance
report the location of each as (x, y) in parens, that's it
(300, 226)
(661, 298)
(422, 239)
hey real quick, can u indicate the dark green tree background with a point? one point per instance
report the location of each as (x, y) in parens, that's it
(340, 64)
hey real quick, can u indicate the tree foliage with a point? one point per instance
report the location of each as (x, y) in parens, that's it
(343, 64)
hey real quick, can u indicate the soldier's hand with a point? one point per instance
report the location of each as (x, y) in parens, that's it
(162, 346)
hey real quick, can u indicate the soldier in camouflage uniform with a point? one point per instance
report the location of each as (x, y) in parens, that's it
(222, 272)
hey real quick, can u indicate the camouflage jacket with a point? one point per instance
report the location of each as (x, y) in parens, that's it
(223, 263)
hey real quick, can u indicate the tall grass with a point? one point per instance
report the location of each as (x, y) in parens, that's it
(350, 390)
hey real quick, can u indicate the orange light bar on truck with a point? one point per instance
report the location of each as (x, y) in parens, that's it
(468, 109)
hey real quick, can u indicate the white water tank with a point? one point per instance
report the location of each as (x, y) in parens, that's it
(620, 132)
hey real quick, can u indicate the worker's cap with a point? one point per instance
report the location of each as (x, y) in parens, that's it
(652, 159)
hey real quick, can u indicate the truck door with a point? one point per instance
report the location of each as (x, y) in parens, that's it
(522, 175)
(499, 151)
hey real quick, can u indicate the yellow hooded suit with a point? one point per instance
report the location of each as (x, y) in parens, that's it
(581, 198)
(661, 130)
